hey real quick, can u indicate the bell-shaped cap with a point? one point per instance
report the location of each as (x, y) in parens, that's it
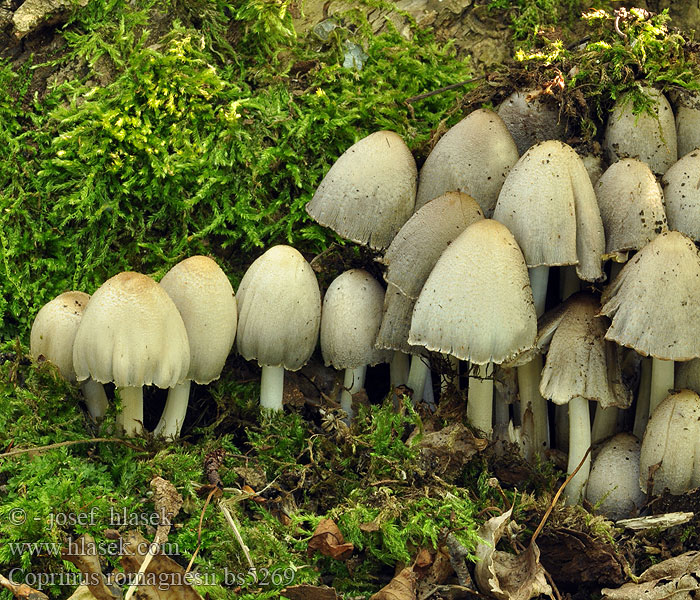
(54, 329)
(613, 484)
(369, 192)
(396, 322)
(654, 300)
(631, 206)
(548, 202)
(477, 303)
(473, 157)
(671, 440)
(279, 310)
(682, 195)
(580, 362)
(350, 320)
(649, 137)
(417, 247)
(687, 109)
(132, 334)
(204, 296)
(531, 117)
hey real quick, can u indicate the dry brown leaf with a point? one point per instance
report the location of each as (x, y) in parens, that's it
(508, 576)
(309, 592)
(328, 540)
(82, 552)
(448, 450)
(21, 590)
(401, 587)
(162, 572)
(82, 592)
(684, 587)
(423, 558)
(688, 562)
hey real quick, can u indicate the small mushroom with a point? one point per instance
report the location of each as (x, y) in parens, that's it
(52, 336)
(682, 195)
(279, 315)
(204, 296)
(350, 320)
(132, 334)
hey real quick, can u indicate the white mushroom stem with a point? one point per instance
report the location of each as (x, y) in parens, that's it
(417, 376)
(131, 418)
(529, 374)
(428, 394)
(398, 369)
(480, 399)
(271, 388)
(353, 383)
(579, 441)
(662, 374)
(170, 423)
(641, 415)
(604, 423)
(95, 398)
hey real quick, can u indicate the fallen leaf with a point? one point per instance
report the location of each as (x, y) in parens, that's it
(309, 592)
(328, 540)
(445, 452)
(684, 587)
(508, 576)
(82, 552)
(82, 592)
(21, 590)
(401, 587)
(688, 562)
(423, 558)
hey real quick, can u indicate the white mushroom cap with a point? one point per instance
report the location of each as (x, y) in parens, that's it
(424, 237)
(477, 303)
(350, 320)
(654, 300)
(132, 334)
(631, 206)
(671, 439)
(682, 195)
(613, 484)
(580, 362)
(473, 157)
(548, 202)
(531, 119)
(279, 310)
(204, 296)
(687, 106)
(651, 139)
(688, 375)
(396, 322)
(370, 191)
(54, 329)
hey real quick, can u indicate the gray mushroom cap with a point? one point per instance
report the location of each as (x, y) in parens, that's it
(54, 329)
(682, 195)
(420, 242)
(531, 118)
(477, 303)
(396, 322)
(369, 192)
(548, 202)
(204, 296)
(671, 439)
(473, 157)
(687, 107)
(631, 206)
(350, 320)
(650, 138)
(132, 334)
(654, 299)
(279, 310)
(613, 485)
(580, 362)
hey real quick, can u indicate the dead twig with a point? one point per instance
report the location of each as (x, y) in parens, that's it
(231, 521)
(71, 443)
(22, 590)
(447, 88)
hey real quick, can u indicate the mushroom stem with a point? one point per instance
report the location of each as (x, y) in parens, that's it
(604, 423)
(480, 398)
(95, 398)
(529, 386)
(353, 383)
(271, 388)
(173, 416)
(131, 418)
(398, 369)
(615, 268)
(569, 283)
(662, 374)
(428, 394)
(641, 414)
(416, 376)
(579, 441)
